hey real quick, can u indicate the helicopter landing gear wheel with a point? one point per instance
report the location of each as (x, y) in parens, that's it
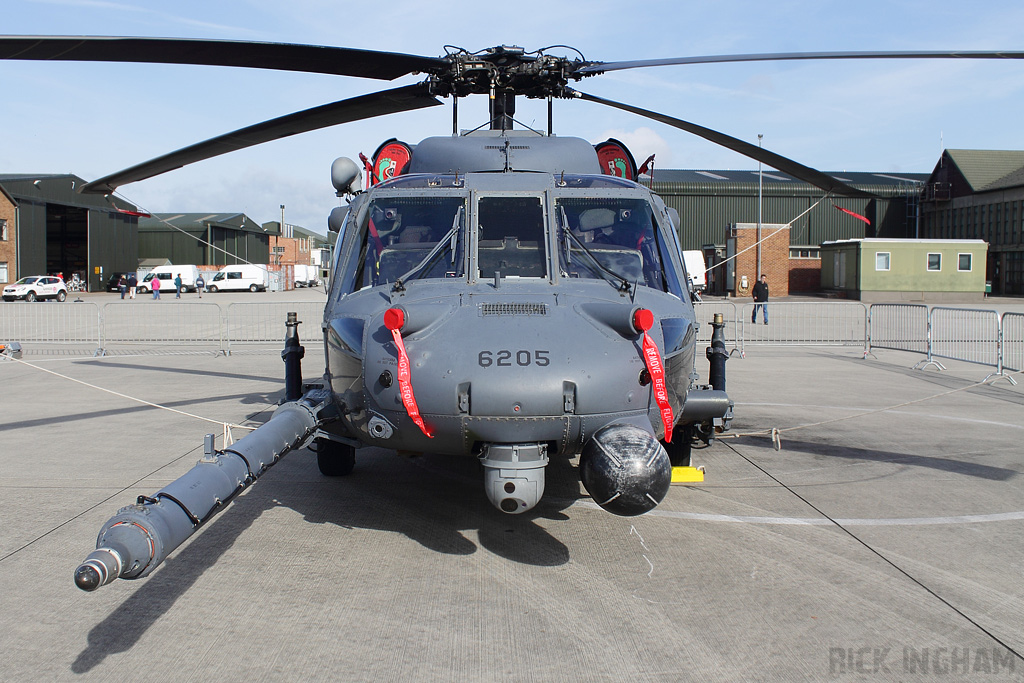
(679, 448)
(335, 459)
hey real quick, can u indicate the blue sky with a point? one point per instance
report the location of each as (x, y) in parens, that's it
(93, 119)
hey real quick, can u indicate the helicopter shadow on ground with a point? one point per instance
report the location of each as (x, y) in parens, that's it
(432, 500)
(942, 464)
(822, 450)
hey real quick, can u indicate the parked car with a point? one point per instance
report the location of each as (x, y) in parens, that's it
(245, 276)
(112, 282)
(37, 287)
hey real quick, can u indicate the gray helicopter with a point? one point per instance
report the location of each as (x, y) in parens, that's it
(504, 294)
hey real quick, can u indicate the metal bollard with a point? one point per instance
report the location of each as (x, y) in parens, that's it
(292, 357)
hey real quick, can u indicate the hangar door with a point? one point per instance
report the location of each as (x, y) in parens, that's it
(67, 240)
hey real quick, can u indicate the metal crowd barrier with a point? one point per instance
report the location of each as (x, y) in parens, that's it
(898, 327)
(50, 323)
(970, 335)
(192, 323)
(1012, 350)
(805, 324)
(706, 311)
(261, 323)
(965, 334)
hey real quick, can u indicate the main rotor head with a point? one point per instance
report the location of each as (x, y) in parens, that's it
(506, 69)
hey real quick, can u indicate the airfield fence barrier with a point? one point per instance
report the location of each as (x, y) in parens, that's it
(706, 314)
(50, 323)
(805, 324)
(1012, 350)
(965, 334)
(261, 323)
(898, 327)
(191, 323)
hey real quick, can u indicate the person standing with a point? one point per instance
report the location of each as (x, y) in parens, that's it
(760, 294)
(122, 286)
(155, 284)
(177, 286)
(200, 283)
(133, 282)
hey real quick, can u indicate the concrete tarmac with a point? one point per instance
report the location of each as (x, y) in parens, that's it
(882, 547)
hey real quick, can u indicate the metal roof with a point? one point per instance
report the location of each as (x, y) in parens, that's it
(988, 169)
(774, 182)
(193, 221)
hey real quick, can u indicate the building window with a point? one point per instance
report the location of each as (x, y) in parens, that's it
(3, 232)
(935, 262)
(3, 271)
(881, 260)
(805, 252)
(963, 263)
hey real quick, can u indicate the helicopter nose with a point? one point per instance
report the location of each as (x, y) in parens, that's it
(625, 470)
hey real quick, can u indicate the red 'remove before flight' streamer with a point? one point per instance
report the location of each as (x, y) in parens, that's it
(394, 318)
(643, 320)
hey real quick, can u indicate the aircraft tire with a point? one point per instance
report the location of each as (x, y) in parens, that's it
(680, 447)
(335, 459)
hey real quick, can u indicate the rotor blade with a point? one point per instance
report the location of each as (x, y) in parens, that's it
(344, 111)
(318, 59)
(793, 168)
(601, 67)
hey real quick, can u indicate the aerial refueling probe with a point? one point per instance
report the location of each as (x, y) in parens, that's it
(139, 537)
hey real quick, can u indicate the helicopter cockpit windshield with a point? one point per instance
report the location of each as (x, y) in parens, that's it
(511, 231)
(411, 237)
(613, 238)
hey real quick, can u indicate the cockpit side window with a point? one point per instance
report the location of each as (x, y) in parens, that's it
(622, 234)
(397, 233)
(511, 237)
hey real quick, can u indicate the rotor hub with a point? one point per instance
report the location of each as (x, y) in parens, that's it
(508, 70)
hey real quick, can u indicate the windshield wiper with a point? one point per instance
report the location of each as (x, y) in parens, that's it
(451, 240)
(622, 285)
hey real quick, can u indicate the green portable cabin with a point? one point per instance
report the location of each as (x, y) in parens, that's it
(893, 270)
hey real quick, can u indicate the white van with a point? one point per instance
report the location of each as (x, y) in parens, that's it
(696, 271)
(244, 276)
(305, 276)
(167, 274)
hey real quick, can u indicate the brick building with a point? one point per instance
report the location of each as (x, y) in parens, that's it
(8, 238)
(741, 272)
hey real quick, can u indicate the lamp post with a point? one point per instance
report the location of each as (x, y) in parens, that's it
(759, 195)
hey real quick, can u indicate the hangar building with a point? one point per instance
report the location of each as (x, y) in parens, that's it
(211, 239)
(46, 227)
(979, 194)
